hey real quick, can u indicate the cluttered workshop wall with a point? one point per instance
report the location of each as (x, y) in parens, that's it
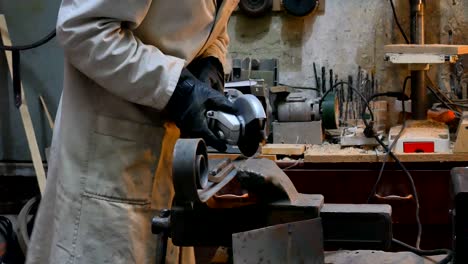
(41, 74)
(347, 34)
(341, 37)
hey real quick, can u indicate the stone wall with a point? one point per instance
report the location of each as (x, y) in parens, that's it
(346, 34)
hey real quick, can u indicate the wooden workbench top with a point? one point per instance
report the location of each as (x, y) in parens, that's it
(340, 157)
(333, 153)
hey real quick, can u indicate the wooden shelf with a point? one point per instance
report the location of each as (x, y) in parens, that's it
(438, 49)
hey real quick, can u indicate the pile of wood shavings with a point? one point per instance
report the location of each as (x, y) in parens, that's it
(336, 149)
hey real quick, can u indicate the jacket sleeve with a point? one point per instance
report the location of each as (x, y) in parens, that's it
(98, 40)
(219, 48)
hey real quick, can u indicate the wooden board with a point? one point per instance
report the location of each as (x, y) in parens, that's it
(24, 112)
(334, 154)
(461, 144)
(283, 149)
(428, 49)
(235, 156)
(429, 157)
(281, 89)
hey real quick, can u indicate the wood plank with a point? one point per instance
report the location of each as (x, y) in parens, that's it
(283, 149)
(367, 157)
(428, 157)
(235, 156)
(46, 110)
(340, 158)
(24, 112)
(428, 48)
(461, 144)
(281, 89)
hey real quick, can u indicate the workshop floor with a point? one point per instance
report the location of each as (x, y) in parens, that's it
(373, 257)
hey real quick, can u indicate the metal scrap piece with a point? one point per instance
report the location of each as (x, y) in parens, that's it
(297, 242)
(265, 179)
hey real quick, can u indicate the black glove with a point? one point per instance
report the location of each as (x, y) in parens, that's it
(210, 71)
(188, 105)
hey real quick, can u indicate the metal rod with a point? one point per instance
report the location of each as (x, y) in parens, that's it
(418, 82)
(417, 21)
(317, 81)
(324, 81)
(160, 226)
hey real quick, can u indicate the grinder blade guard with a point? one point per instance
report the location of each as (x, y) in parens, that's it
(245, 129)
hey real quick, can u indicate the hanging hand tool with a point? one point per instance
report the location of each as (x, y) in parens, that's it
(367, 89)
(342, 99)
(317, 81)
(350, 96)
(355, 97)
(320, 87)
(373, 85)
(324, 89)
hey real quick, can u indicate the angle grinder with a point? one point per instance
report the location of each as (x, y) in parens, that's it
(245, 129)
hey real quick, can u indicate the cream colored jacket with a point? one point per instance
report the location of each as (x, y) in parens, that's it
(111, 156)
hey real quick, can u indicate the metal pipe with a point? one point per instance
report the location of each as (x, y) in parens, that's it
(160, 226)
(418, 95)
(417, 21)
(418, 83)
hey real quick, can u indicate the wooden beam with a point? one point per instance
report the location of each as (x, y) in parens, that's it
(368, 157)
(46, 110)
(461, 144)
(235, 156)
(24, 112)
(283, 149)
(427, 49)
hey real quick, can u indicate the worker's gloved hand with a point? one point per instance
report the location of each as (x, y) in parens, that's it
(190, 102)
(210, 71)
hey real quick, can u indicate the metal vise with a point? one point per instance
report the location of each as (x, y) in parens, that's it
(192, 222)
(202, 216)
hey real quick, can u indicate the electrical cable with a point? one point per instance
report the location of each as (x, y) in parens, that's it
(460, 105)
(299, 87)
(363, 98)
(443, 102)
(398, 22)
(420, 252)
(36, 44)
(392, 146)
(408, 174)
(16, 72)
(413, 188)
(436, 91)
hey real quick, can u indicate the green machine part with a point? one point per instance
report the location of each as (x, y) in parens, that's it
(330, 111)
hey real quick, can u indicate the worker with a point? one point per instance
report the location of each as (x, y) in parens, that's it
(135, 73)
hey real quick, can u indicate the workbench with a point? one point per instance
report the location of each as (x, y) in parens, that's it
(333, 153)
(348, 175)
(343, 176)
